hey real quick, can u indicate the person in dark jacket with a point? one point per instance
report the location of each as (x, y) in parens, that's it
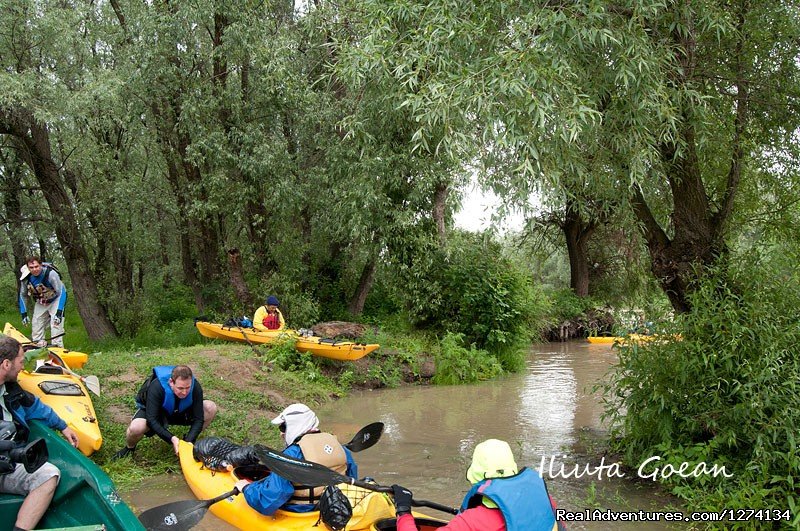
(20, 407)
(170, 395)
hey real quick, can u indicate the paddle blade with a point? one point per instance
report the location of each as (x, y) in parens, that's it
(178, 516)
(92, 383)
(298, 470)
(366, 437)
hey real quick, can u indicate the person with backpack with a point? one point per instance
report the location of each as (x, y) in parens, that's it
(170, 395)
(269, 317)
(42, 281)
(299, 427)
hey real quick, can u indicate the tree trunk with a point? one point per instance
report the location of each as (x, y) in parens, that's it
(356, 306)
(11, 175)
(237, 279)
(36, 141)
(698, 223)
(439, 209)
(576, 233)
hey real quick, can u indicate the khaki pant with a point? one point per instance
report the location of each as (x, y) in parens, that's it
(43, 314)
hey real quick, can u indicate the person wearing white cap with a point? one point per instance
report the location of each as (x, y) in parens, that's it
(502, 497)
(42, 282)
(299, 427)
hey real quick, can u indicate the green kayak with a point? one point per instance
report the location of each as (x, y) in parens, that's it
(85, 495)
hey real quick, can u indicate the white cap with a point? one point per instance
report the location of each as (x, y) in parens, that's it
(299, 420)
(25, 271)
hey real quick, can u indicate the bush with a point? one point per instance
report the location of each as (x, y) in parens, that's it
(728, 393)
(456, 364)
(471, 288)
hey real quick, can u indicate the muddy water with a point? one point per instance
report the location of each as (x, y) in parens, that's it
(547, 410)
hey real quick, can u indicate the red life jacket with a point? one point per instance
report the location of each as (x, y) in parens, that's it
(271, 322)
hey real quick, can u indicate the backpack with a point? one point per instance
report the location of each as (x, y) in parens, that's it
(240, 322)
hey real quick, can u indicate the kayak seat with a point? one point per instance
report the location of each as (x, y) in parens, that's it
(327, 341)
(49, 369)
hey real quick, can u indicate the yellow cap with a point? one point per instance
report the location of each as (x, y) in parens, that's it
(491, 459)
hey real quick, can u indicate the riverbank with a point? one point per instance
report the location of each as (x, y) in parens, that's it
(250, 386)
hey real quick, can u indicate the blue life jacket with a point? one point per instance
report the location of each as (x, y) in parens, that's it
(163, 373)
(522, 499)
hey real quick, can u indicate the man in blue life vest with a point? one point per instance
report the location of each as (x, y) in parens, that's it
(502, 497)
(299, 427)
(170, 395)
(42, 282)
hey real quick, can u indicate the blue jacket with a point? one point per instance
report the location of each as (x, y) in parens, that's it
(522, 499)
(269, 494)
(25, 407)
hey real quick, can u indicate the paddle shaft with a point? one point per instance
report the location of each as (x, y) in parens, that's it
(414, 502)
(91, 382)
(49, 339)
(310, 473)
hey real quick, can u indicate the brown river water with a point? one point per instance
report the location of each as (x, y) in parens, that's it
(547, 413)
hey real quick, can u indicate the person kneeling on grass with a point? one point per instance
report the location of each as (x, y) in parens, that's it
(300, 431)
(170, 395)
(502, 497)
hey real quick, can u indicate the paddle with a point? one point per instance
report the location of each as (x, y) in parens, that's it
(91, 382)
(183, 515)
(180, 516)
(303, 472)
(366, 437)
(48, 340)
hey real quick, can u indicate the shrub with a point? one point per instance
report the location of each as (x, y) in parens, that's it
(728, 393)
(456, 364)
(471, 288)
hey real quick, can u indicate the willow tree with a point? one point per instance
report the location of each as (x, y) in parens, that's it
(679, 99)
(44, 57)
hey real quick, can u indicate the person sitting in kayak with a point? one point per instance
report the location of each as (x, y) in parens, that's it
(502, 497)
(17, 408)
(269, 317)
(170, 395)
(299, 427)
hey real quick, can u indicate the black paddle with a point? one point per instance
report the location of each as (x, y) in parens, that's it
(179, 516)
(183, 515)
(48, 340)
(303, 472)
(366, 437)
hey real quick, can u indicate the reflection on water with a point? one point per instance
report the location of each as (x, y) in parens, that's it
(547, 410)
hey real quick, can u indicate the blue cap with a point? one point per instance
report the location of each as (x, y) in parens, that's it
(272, 300)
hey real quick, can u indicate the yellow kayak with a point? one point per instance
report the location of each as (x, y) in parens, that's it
(69, 398)
(318, 346)
(75, 360)
(634, 338)
(374, 512)
(605, 340)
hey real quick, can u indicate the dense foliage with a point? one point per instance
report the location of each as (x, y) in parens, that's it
(471, 288)
(726, 394)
